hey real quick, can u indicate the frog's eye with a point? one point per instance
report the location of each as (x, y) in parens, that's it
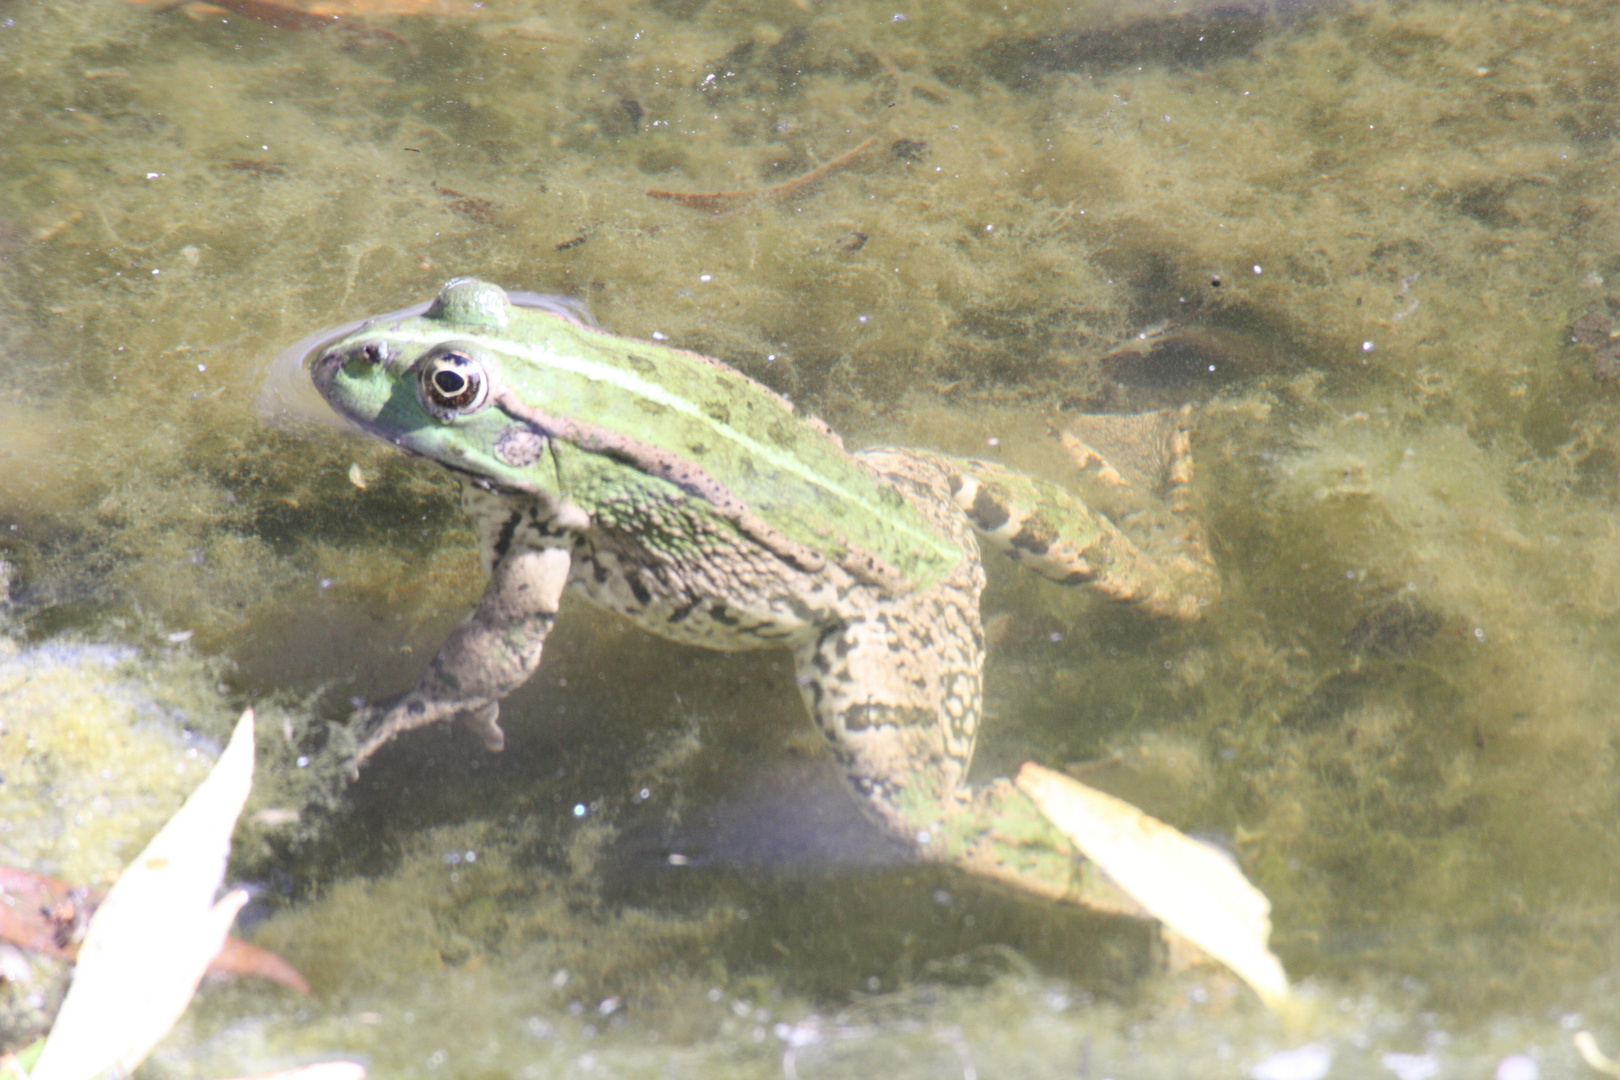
(452, 384)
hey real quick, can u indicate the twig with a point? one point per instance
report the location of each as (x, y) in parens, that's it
(718, 202)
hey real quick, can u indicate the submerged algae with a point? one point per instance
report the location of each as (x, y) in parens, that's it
(97, 751)
(94, 761)
(1391, 209)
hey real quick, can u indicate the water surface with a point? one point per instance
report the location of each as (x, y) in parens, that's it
(1368, 227)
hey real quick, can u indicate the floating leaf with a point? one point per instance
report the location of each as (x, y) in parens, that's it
(45, 915)
(324, 1070)
(1192, 888)
(150, 940)
(1587, 1047)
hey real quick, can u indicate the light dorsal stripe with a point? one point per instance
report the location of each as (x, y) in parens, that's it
(543, 354)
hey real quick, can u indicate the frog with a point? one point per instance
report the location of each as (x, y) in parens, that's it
(705, 507)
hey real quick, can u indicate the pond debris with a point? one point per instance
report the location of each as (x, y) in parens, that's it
(718, 202)
(1193, 888)
(46, 915)
(1309, 1062)
(321, 1070)
(279, 16)
(147, 945)
(1596, 330)
(1587, 1047)
(286, 17)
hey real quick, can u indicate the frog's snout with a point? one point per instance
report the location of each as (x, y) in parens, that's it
(358, 362)
(322, 370)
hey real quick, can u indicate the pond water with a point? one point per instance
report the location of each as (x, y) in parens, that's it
(1355, 236)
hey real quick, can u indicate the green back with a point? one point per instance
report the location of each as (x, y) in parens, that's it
(787, 470)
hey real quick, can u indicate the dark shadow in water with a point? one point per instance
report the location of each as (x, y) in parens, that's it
(1199, 35)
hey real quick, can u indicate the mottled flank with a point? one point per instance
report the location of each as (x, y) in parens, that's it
(637, 519)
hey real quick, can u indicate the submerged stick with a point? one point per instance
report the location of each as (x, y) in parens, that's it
(718, 202)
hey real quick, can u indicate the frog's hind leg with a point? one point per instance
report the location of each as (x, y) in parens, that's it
(1167, 569)
(894, 685)
(899, 714)
(896, 692)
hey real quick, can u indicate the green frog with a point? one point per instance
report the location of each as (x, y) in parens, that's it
(680, 493)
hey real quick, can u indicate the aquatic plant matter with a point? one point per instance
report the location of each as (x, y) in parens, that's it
(1424, 187)
(1444, 674)
(148, 943)
(95, 756)
(1197, 890)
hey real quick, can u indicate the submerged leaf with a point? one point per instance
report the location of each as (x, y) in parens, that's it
(1192, 888)
(41, 913)
(45, 915)
(150, 940)
(237, 957)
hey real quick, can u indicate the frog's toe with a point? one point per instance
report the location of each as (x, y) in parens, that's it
(481, 722)
(1148, 452)
(374, 728)
(1147, 458)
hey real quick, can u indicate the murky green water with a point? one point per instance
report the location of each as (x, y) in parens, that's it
(1372, 222)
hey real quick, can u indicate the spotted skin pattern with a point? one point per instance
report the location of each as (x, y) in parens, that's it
(894, 685)
(702, 506)
(892, 681)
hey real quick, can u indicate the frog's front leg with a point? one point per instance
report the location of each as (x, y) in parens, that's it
(492, 653)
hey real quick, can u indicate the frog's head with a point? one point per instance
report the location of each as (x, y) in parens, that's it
(426, 383)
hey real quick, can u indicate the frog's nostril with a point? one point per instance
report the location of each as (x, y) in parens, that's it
(376, 352)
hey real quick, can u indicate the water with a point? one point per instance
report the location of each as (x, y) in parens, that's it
(1368, 226)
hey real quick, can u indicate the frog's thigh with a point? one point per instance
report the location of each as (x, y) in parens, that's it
(896, 693)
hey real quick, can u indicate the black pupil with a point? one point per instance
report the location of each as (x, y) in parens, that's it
(449, 383)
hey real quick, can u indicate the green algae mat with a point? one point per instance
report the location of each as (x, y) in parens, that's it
(1375, 246)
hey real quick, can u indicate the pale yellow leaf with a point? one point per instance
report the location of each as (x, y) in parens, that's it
(1587, 1047)
(1192, 888)
(322, 1070)
(149, 941)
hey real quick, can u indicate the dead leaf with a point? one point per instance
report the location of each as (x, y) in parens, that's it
(150, 940)
(1191, 887)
